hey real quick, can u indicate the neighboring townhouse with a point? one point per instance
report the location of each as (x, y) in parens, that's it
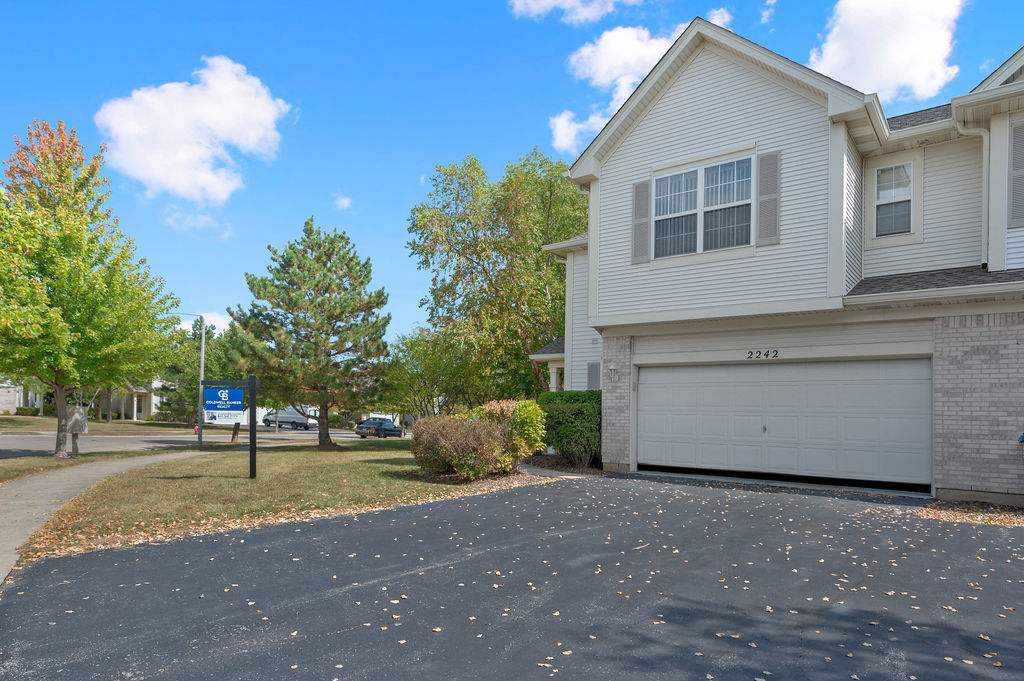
(778, 280)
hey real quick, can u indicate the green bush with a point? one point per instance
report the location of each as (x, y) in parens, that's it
(521, 424)
(574, 429)
(26, 411)
(467, 447)
(570, 397)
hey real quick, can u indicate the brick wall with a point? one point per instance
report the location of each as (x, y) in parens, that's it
(978, 409)
(615, 410)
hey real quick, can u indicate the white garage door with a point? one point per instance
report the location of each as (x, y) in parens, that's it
(862, 420)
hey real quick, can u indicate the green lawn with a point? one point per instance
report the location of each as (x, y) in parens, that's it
(213, 492)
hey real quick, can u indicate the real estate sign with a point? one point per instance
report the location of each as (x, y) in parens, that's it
(223, 405)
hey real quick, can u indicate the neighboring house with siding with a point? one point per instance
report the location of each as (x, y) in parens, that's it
(777, 279)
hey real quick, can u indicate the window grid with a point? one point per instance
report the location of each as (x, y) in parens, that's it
(893, 197)
(702, 210)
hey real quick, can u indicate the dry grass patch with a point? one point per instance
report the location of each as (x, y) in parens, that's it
(213, 493)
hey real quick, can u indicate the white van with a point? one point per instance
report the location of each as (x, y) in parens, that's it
(289, 416)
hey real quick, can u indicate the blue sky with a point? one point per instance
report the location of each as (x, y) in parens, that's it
(228, 124)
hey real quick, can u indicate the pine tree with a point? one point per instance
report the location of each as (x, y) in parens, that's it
(315, 330)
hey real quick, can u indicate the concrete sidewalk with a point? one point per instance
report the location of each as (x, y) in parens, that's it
(26, 503)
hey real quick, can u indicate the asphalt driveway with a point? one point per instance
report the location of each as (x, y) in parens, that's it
(581, 579)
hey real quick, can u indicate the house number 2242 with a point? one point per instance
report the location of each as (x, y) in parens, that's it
(762, 354)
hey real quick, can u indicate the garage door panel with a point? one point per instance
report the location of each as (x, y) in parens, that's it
(868, 419)
(713, 455)
(748, 425)
(781, 427)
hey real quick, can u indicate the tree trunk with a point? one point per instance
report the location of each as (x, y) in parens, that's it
(234, 432)
(110, 405)
(324, 427)
(60, 397)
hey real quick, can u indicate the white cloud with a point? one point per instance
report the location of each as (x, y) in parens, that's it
(192, 222)
(767, 10)
(616, 61)
(176, 137)
(423, 179)
(898, 49)
(619, 59)
(342, 202)
(573, 11)
(566, 131)
(219, 320)
(986, 65)
(720, 16)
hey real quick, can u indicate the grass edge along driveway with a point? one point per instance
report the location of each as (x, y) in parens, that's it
(213, 493)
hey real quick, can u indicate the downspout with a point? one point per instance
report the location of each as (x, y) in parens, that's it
(985, 147)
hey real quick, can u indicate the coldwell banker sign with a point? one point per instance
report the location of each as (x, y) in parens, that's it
(223, 405)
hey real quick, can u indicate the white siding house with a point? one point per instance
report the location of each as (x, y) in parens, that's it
(778, 280)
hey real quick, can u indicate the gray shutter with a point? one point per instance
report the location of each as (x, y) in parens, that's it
(768, 166)
(641, 222)
(593, 375)
(1017, 176)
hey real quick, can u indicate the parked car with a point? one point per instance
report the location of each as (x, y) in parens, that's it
(289, 416)
(379, 427)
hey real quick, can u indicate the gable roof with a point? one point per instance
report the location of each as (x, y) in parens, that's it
(698, 33)
(1008, 72)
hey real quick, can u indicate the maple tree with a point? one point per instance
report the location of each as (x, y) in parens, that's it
(86, 311)
(492, 284)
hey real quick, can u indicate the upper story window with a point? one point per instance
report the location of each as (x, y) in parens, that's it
(893, 198)
(704, 209)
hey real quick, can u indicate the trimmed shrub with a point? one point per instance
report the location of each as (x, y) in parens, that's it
(467, 447)
(574, 429)
(570, 397)
(521, 424)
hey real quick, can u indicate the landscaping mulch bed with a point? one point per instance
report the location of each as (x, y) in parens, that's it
(554, 462)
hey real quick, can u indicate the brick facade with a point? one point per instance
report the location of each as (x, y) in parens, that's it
(615, 409)
(978, 405)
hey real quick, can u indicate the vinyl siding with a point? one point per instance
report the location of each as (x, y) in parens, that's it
(1014, 249)
(951, 222)
(586, 343)
(713, 105)
(789, 341)
(853, 216)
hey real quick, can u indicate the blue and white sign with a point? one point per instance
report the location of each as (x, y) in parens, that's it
(223, 405)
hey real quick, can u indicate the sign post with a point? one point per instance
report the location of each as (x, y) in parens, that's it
(223, 403)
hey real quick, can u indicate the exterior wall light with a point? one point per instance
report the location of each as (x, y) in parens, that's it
(613, 373)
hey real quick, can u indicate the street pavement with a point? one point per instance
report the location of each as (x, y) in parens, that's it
(589, 578)
(12, 444)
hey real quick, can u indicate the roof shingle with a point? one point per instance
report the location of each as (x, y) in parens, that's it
(918, 281)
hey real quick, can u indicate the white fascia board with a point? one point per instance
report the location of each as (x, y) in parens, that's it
(1002, 72)
(800, 305)
(577, 243)
(547, 358)
(840, 97)
(986, 97)
(949, 294)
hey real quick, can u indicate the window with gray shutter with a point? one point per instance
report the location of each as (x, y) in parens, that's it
(641, 222)
(1016, 188)
(768, 167)
(593, 375)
